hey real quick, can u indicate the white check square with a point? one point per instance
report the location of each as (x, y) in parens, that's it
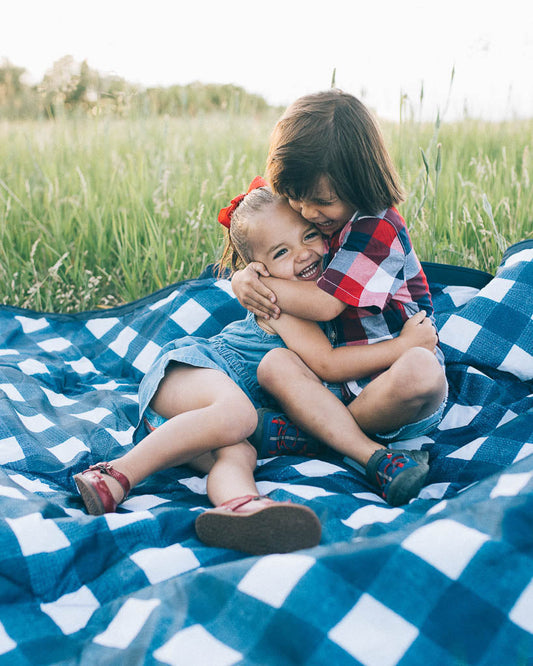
(195, 645)
(459, 333)
(445, 544)
(190, 316)
(374, 634)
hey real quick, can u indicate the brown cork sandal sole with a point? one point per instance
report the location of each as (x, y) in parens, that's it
(282, 527)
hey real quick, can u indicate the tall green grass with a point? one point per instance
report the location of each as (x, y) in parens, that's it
(468, 185)
(96, 212)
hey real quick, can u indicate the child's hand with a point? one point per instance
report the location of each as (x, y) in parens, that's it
(252, 293)
(418, 331)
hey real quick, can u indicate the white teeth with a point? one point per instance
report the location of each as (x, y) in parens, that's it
(310, 270)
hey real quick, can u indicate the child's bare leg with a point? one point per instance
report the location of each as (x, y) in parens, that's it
(232, 474)
(410, 390)
(206, 411)
(312, 406)
(241, 519)
(398, 475)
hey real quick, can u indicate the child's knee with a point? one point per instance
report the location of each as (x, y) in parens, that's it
(237, 421)
(274, 366)
(248, 421)
(419, 375)
(280, 368)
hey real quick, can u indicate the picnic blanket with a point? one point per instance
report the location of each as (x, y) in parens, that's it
(446, 579)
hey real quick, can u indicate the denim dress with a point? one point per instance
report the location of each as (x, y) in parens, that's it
(237, 351)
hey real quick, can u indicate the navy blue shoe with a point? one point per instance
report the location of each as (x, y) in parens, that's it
(398, 475)
(275, 435)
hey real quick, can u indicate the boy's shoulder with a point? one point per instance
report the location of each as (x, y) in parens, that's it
(390, 215)
(364, 224)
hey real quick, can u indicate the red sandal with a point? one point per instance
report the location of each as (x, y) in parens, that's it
(94, 491)
(278, 527)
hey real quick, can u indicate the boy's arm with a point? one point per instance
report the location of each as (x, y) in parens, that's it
(339, 364)
(252, 294)
(266, 296)
(304, 299)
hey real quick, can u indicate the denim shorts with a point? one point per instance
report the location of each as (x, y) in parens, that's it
(415, 429)
(198, 354)
(407, 431)
(236, 351)
(152, 419)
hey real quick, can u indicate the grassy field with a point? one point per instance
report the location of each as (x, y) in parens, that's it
(96, 212)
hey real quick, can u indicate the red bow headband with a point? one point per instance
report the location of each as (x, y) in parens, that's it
(225, 215)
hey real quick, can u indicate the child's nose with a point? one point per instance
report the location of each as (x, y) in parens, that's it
(308, 211)
(304, 253)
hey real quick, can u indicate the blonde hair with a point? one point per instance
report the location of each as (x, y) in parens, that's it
(238, 247)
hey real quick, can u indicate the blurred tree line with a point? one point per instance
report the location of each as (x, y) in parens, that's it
(70, 87)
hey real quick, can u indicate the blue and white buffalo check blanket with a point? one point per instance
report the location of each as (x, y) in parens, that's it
(444, 580)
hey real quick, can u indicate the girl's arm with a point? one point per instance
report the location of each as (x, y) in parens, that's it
(339, 364)
(266, 296)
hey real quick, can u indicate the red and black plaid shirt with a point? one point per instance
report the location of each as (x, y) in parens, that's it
(374, 269)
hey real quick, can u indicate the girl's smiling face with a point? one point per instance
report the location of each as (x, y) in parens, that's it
(289, 246)
(324, 209)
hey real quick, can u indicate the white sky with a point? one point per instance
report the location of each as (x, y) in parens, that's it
(282, 49)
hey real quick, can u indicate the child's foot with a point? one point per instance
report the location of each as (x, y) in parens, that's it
(399, 475)
(276, 435)
(95, 491)
(258, 525)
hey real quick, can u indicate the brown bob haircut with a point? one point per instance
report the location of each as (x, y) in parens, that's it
(333, 134)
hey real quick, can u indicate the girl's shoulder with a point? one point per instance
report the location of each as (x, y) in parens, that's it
(262, 326)
(248, 328)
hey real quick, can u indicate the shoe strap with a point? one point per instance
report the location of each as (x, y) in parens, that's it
(107, 468)
(238, 502)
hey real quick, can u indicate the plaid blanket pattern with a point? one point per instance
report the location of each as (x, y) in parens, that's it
(444, 580)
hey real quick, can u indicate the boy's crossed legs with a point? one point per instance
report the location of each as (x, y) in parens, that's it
(412, 389)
